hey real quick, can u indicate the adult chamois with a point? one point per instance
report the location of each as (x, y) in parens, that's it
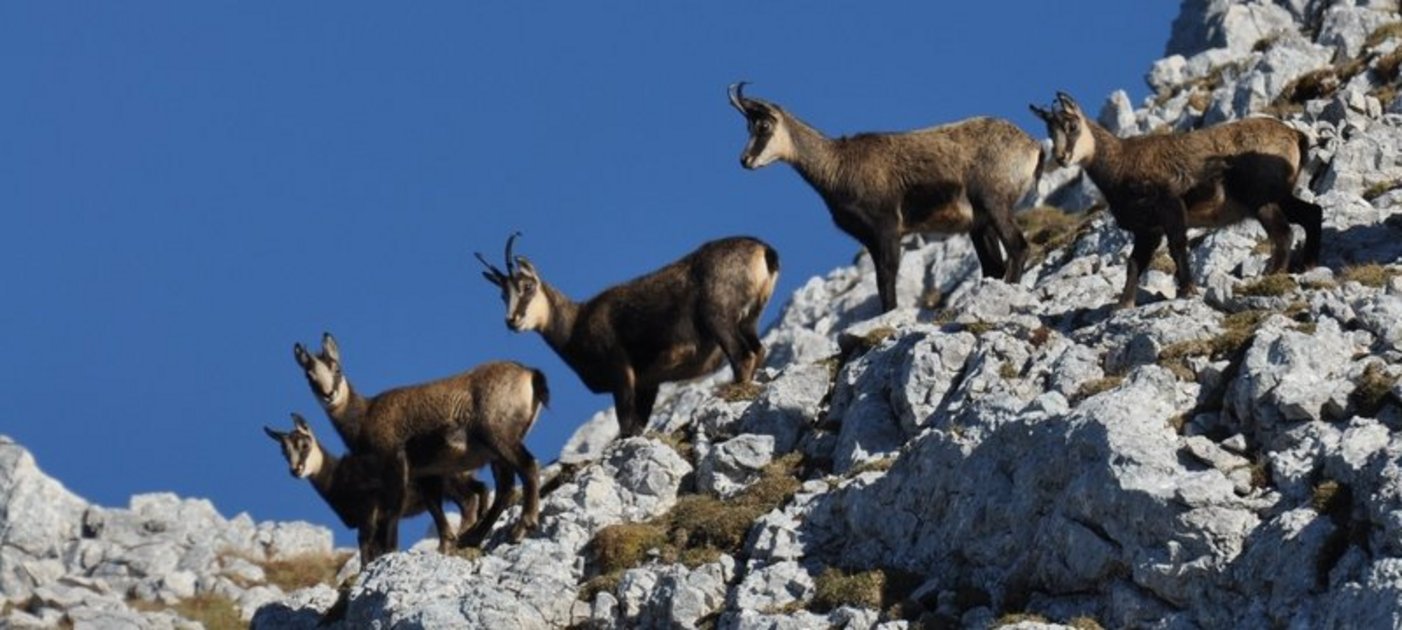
(351, 485)
(1161, 185)
(961, 177)
(676, 323)
(442, 428)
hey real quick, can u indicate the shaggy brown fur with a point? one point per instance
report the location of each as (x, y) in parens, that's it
(679, 322)
(1161, 185)
(440, 429)
(961, 177)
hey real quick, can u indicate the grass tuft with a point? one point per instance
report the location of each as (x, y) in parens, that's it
(625, 545)
(1372, 390)
(1391, 30)
(1270, 286)
(1323, 497)
(214, 612)
(835, 589)
(1099, 385)
(1016, 618)
(738, 392)
(1381, 188)
(304, 570)
(1369, 275)
(1084, 623)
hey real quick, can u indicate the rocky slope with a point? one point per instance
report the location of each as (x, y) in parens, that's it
(1015, 454)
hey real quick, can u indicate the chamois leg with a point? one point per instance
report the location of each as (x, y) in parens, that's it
(520, 461)
(470, 495)
(750, 335)
(645, 396)
(732, 342)
(1145, 244)
(1173, 216)
(365, 539)
(1277, 227)
(625, 407)
(431, 491)
(886, 257)
(1310, 217)
(1000, 217)
(505, 482)
(990, 258)
(395, 479)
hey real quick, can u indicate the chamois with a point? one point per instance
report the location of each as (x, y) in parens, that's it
(965, 176)
(1161, 185)
(676, 323)
(443, 427)
(351, 485)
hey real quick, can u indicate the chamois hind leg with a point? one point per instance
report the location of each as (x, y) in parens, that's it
(505, 482)
(523, 464)
(1277, 227)
(1000, 218)
(1173, 216)
(470, 495)
(395, 484)
(1146, 242)
(431, 491)
(1310, 217)
(990, 257)
(731, 339)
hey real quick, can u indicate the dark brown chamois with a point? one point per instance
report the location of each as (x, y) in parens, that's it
(962, 177)
(679, 322)
(443, 427)
(1161, 185)
(351, 485)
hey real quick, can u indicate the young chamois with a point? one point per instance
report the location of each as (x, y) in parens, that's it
(1161, 185)
(961, 177)
(443, 428)
(676, 323)
(351, 485)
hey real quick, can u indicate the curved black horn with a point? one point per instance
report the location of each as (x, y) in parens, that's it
(510, 241)
(737, 95)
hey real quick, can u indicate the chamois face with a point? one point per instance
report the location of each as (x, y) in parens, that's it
(299, 447)
(1072, 142)
(769, 136)
(526, 306)
(323, 372)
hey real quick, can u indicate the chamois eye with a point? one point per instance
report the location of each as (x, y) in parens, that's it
(528, 285)
(764, 125)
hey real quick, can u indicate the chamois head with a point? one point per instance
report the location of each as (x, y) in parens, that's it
(299, 446)
(526, 305)
(1072, 142)
(768, 127)
(323, 372)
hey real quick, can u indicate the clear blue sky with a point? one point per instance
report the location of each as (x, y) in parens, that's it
(187, 189)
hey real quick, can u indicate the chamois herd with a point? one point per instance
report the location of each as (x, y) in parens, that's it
(412, 447)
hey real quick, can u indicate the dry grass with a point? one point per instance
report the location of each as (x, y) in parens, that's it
(1372, 390)
(1379, 189)
(699, 528)
(1091, 388)
(1369, 275)
(875, 465)
(1015, 618)
(835, 588)
(1162, 262)
(1391, 30)
(1269, 286)
(1324, 495)
(678, 441)
(1008, 371)
(607, 582)
(979, 328)
(1084, 623)
(304, 570)
(737, 392)
(215, 612)
(1237, 331)
(1048, 229)
(876, 336)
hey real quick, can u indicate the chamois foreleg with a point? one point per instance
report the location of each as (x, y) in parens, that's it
(885, 251)
(1277, 227)
(1146, 242)
(394, 485)
(1310, 217)
(505, 483)
(990, 258)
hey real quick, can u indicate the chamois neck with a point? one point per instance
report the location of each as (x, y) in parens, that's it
(1104, 164)
(559, 324)
(324, 478)
(346, 416)
(812, 153)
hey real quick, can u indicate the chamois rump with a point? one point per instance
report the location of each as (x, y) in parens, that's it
(676, 323)
(351, 485)
(965, 176)
(1161, 185)
(441, 428)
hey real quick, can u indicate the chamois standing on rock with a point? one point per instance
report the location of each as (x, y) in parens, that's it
(676, 323)
(1161, 185)
(441, 428)
(351, 485)
(961, 177)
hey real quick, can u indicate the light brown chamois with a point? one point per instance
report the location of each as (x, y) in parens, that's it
(1161, 185)
(443, 427)
(351, 485)
(962, 177)
(679, 322)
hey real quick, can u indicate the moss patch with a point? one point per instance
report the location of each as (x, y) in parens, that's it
(1269, 286)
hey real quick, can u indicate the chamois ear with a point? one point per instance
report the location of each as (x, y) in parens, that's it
(300, 422)
(1041, 112)
(492, 278)
(329, 347)
(300, 353)
(524, 264)
(276, 435)
(1067, 103)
